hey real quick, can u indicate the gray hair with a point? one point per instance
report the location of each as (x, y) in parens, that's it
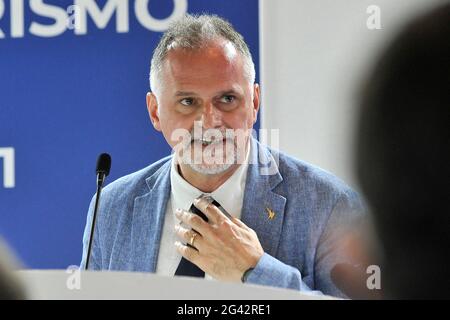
(196, 32)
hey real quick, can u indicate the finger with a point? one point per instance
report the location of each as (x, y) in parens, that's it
(188, 253)
(189, 236)
(239, 222)
(194, 221)
(211, 211)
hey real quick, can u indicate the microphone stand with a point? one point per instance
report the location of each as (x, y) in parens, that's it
(100, 180)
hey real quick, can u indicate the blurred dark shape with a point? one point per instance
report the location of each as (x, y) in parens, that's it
(359, 244)
(403, 157)
(10, 286)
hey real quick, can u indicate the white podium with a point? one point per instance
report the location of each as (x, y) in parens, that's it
(61, 285)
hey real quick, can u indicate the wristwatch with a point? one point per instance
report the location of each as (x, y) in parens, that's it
(246, 274)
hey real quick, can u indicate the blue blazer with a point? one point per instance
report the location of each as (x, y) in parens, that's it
(299, 239)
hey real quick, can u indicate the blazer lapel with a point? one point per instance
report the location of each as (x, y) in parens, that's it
(263, 209)
(148, 218)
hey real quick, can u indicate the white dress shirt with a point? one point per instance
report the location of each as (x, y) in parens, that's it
(230, 195)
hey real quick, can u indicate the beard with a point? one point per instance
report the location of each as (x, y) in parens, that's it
(212, 153)
(213, 158)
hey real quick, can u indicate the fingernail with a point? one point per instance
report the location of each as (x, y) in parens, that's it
(198, 203)
(178, 212)
(177, 228)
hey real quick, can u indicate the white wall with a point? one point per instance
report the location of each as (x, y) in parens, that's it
(314, 53)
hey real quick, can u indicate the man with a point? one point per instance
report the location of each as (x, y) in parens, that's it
(271, 219)
(403, 159)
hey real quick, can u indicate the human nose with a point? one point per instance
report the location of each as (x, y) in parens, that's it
(211, 116)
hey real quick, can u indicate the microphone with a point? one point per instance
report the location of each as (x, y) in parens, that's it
(102, 171)
(103, 167)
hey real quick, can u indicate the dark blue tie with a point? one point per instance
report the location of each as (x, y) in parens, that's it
(187, 268)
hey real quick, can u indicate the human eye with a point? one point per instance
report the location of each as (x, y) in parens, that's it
(228, 98)
(187, 102)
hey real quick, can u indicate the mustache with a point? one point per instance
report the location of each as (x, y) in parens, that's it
(214, 136)
(211, 136)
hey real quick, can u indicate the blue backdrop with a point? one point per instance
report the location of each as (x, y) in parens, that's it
(65, 98)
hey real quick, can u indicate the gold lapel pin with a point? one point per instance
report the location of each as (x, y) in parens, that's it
(270, 213)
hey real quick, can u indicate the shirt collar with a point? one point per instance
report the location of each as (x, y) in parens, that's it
(230, 194)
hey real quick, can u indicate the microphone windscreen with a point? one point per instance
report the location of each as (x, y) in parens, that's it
(103, 164)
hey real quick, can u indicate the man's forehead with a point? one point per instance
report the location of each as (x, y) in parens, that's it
(213, 47)
(220, 53)
(216, 61)
(224, 88)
